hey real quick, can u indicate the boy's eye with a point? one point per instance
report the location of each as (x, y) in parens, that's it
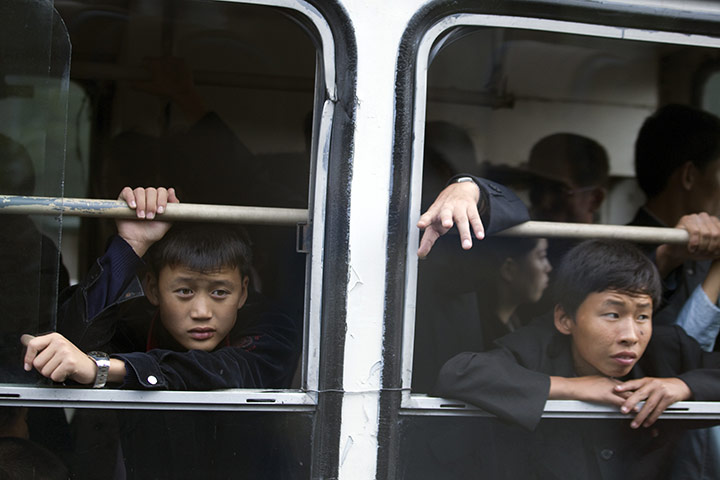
(611, 315)
(184, 292)
(220, 293)
(643, 317)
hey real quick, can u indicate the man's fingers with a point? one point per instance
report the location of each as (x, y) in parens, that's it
(463, 228)
(427, 241)
(476, 223)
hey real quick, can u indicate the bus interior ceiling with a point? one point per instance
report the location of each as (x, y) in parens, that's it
(213, 98)
(508, 88)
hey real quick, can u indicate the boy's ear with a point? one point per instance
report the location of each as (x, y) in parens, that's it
(508, 270)
(243, 297)
(150, 285)
(563, 323)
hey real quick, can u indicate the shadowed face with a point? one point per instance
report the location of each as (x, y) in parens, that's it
(532, 274)
(610, 332)
(198, 309)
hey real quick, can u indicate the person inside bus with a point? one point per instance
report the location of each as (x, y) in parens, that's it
(677, 165)
(568, 176)
(207, 330)
(598, 345)
(457, 316)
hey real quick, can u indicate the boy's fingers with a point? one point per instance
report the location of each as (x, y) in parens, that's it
(30, 352)
(128, 196)
(139, 195)
(162, 197)
(172, 196)
(151, 202)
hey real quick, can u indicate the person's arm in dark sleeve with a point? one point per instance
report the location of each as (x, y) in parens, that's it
(495, 382)
(480, 205)
(111, 280)
(265, 356)
(701, 369)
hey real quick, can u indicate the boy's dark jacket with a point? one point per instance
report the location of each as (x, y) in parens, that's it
(107, 312)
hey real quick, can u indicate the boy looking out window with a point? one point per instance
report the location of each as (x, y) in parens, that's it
(597, 346)
(207, 330)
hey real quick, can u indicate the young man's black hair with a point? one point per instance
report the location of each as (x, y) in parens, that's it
(615, 265)
(669, 138)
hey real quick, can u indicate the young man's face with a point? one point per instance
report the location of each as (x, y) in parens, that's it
(609, 333)
(198, 309)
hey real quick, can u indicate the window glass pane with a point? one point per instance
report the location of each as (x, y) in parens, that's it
(215, 99)
(140, 444)
(477, 447)
(554, 117)
(711, 94)
(33, 103)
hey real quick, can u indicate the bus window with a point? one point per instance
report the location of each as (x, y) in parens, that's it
(711, 93)
(554, 116)
(226, 103)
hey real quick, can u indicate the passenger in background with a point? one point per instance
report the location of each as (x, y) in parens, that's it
(569, 174)
(465, 304)
(677, 164)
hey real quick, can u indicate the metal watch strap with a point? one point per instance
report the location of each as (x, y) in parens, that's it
(102, 360)
(463, 179)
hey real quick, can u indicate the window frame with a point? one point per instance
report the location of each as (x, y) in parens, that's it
(422, 404)
(302, 399)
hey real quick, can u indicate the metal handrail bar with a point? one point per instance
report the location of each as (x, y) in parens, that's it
(586, 231)
(84, 207)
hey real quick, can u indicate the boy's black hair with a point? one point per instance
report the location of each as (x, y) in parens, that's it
(669, 138)
(596, 266)
(202, 247)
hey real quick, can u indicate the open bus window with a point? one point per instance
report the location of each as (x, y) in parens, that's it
(224, 102)
(511, 105)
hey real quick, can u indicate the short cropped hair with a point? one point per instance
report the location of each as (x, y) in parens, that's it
(669, 138)
(596, 266)
(206, 247)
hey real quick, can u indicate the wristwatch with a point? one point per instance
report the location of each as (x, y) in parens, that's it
(463, 179)
(102, 360)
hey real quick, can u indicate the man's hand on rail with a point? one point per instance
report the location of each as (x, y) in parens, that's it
(148, 203)
(703, 244)
(456, 204)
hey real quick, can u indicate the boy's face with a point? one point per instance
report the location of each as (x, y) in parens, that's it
(609, 333)
(198, 309)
